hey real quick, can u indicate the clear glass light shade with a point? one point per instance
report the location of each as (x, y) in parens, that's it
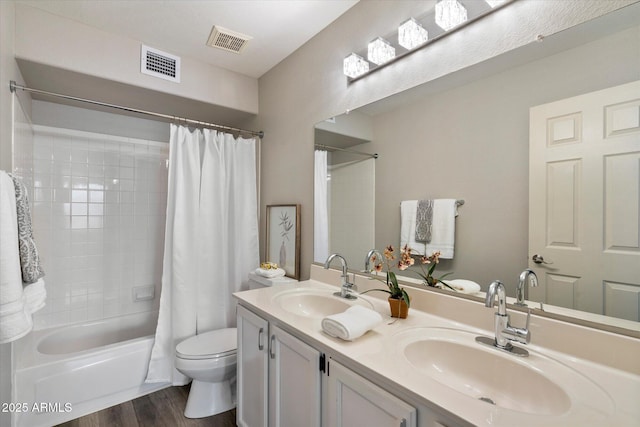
(494, 3)
(411, 34)
(380, 51)
(355, 65)
(449, 14)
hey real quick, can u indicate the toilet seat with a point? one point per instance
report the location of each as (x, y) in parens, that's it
(209, 345)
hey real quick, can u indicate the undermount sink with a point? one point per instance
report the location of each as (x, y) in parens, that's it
(313, 303)
(534, 385)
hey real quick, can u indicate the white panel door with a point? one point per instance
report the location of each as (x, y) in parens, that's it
(354, 401)
(295, 381)
(584, 201)
(253, 370)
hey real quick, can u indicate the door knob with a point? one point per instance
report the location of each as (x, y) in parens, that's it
(539, 259)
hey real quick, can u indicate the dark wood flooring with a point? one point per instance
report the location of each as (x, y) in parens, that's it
(163, 408)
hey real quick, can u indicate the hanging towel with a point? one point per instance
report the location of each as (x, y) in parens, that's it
(408, 212)
(29, 259)
(17, 300)
(352, 323)
(424, 221)
(444, 227)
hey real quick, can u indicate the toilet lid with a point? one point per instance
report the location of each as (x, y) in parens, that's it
(218, 343)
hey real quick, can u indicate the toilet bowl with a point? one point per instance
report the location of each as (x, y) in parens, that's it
(209, 359)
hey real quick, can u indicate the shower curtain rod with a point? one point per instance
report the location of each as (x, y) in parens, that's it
(328, 147)
(13, 86)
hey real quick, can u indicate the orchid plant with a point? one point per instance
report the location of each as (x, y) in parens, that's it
(432, 260)
(393, 289)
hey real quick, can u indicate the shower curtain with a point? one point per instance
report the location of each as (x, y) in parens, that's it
(211, 239)
(320, 208)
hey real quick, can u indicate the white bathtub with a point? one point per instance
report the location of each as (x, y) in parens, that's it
(67, 372)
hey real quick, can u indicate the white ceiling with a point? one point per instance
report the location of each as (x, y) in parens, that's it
(182, 27)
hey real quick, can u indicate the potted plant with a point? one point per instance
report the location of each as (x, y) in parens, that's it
(399, 301)
(427, 275)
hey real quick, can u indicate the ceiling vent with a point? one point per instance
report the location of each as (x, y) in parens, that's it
(160, 64)
(227, 40)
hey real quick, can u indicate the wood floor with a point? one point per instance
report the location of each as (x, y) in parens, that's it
(163, 408)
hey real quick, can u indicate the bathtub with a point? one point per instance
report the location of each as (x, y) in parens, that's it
(67, 372)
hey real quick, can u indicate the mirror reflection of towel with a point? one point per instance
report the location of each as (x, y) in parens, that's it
(424, 220)
(442, 232)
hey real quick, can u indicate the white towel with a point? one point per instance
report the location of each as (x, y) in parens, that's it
(408, 210)
(443, 227)
(352, 323)
(271, 273)
(443, 231)
(17, 301)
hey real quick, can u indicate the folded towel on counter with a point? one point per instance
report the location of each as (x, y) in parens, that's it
(352, 323)
(424, 221)
(18, 300)
(29, 259)
(270, 273)
(442, 230)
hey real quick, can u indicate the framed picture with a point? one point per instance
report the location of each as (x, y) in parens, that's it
(283, 238)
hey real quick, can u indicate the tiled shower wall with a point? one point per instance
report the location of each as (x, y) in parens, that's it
(99, 207)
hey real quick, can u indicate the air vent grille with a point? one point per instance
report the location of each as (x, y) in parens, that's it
(228, 40)
(160, 64)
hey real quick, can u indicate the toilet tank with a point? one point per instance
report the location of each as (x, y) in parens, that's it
(256, 281)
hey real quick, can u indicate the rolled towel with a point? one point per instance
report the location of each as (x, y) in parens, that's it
(352, 323)
(271, 273)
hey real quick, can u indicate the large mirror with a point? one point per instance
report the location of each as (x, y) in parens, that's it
(466, 136)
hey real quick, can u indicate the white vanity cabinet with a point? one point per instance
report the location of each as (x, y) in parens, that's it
(351, 400)
(253, 370)
(279, 377)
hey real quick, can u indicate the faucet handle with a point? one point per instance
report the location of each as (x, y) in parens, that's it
(521, 335)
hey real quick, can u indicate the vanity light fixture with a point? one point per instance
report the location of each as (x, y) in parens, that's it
(450, 16)
(380, 51)
(450, 13)
(355, 65)
(411, 34)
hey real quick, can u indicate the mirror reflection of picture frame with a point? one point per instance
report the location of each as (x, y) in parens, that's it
(283, 238)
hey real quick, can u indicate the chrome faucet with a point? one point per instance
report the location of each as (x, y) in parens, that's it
(533, 279)
(367, 260)
(345, 290)
(505, 333)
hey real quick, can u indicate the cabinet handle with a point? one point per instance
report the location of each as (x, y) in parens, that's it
(403, 422)
(260, 344)
(272, 342)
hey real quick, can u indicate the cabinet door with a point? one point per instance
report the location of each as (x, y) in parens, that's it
(354, 401)
(295, 380)
(253, 365)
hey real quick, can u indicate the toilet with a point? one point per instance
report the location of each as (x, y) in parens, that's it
(209, 359)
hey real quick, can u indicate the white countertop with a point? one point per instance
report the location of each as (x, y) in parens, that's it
(378, 355)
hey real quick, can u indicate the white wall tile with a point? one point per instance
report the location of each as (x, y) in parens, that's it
(99, 210)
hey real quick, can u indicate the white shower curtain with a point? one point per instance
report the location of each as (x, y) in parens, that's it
(320, 208)
(211, 239)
